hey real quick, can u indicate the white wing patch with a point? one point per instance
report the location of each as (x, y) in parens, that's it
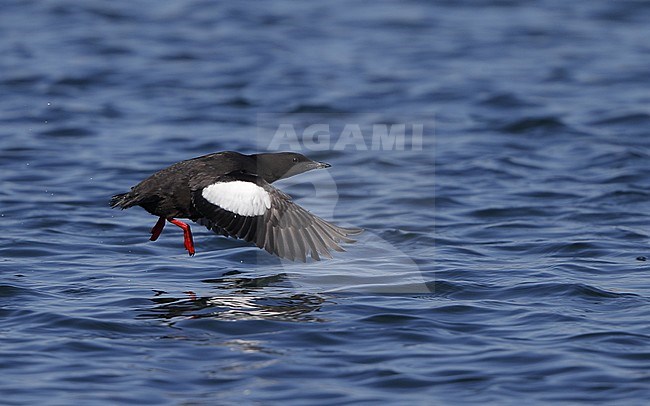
(239, 197)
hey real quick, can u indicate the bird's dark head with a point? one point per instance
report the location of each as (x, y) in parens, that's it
(281, 165)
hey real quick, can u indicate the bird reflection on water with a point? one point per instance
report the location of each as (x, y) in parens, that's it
(262, 298)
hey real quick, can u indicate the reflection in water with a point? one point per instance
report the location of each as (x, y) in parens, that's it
(244, 299)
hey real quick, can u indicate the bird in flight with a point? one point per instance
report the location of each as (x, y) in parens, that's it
(231, 194)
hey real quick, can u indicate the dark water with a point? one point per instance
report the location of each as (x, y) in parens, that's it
(503, 259)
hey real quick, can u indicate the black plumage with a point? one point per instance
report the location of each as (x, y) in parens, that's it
(255, 211)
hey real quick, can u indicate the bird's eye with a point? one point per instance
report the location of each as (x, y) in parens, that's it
(295, 159)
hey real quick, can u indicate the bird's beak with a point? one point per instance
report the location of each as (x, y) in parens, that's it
(322, 165)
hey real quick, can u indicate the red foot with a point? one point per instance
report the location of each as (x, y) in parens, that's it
(157, 229)
(187, 235)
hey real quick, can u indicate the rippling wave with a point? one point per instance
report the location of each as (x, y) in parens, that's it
(505, 259)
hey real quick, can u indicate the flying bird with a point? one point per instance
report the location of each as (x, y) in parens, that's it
(232, 194)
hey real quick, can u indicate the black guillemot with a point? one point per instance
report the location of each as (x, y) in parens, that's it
(231, 194)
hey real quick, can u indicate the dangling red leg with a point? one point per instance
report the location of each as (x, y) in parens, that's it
(157, 229)
(187, 235)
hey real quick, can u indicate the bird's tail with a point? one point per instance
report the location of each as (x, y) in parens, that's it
(123, 201)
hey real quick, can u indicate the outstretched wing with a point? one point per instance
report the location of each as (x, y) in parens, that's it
(247, 207)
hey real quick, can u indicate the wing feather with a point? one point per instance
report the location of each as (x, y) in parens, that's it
(284, 229)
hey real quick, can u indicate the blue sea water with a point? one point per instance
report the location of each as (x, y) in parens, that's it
(504, 258)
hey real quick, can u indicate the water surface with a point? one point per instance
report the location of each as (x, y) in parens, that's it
(503, 260)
